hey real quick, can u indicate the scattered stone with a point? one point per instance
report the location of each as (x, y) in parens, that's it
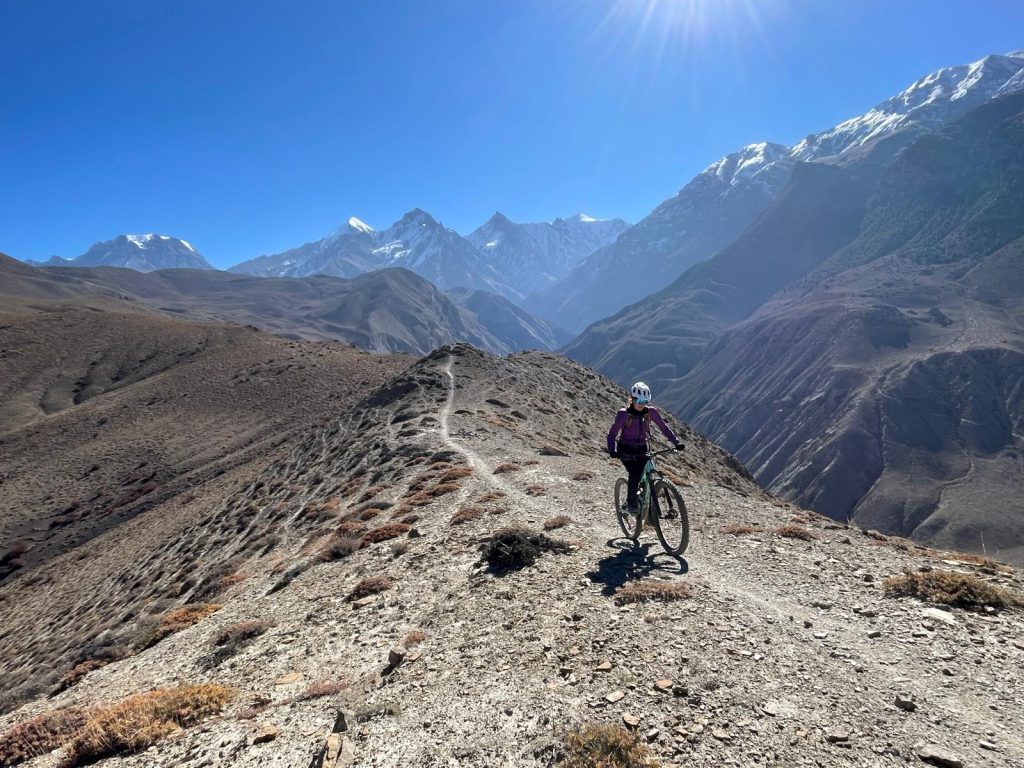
(820, 635)
(936, 755)
(290, 679)
(550, 450)
(1019, 642)
(905, 703)
(988, 745)
(823, 605)
(604, 666)
(771, 708)
(720, 734)
(874, 634)
(266, 733)
(663, 685)
(808, 624)
(614, 696)
(838, 736)
(396, 656)
(362, 602)
(631, 721)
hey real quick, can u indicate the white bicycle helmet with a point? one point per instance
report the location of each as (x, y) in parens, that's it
(641, 392)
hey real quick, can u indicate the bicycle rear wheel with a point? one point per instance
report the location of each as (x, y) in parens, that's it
(671, 522)
(629, 521)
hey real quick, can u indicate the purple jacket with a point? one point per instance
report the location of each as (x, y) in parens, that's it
(634, 435)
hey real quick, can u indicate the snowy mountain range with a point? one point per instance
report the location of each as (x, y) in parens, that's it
(143, 253)
(724, 199)
(502, 257)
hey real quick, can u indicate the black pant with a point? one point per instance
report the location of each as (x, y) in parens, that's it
(634, 463)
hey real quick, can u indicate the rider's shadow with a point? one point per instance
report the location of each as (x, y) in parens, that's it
(632, 562)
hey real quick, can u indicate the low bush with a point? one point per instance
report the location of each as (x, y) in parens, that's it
(502, 469)
(414, 638)
(557, 522)
(490, 496)
(963, 590)
(582, 477)
(385, 532)
(790, 531)
(442, 489)
(467, 514)
(604, 745)
(371, 585)
(455, 473)
(515, 548)
(39, 736)
(652, 591)
(322, 688)
(175, 621)
(338, 547)
(77, 674)
(535, 490)
(232, 639)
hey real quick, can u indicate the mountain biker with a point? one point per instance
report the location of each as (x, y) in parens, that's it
(630, 434)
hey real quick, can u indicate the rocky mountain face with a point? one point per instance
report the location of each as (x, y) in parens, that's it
(385, 311)
(340, 598)
(531, 257)
(143, 253)
(721, 202)
(847, 388)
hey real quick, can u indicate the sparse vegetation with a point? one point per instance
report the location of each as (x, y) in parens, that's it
(559, 521)
(652, 591)
(467, 514)
(582, 477)
(514, 548)
(385, 532)
(535, 490)
(455, 473)
(143, 720)
(790, 531)
(130, 726)
(443, 488)
(232, 639)
(490, 496)
(963, 590)
(175, 621)
(399, 548)
(77, 673)
(740, 529)
(289, 576)
(321, 688)
(502, 469)
(604, 745)
(338, 547)
(371, 585)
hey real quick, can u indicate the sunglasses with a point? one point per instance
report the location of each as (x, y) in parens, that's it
(641, 400)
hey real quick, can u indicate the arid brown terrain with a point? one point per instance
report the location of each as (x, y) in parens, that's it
(343, 599)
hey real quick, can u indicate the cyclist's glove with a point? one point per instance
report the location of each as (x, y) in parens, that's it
(679, 446)
(613, 455)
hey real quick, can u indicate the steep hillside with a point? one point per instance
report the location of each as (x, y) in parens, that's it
(778, 650)
(885, 387)
(389, 310)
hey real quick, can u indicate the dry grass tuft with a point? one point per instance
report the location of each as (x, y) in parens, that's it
(385, 532)
(740, 529)
(240, 632)
(371, 585)
(963, 590)
(369, 493)
(442, 489)
(75, 676)
(368, 514)
(338, 547)
(603, 745)
(514, 547)
(557, 522)
(652, 591)
(790, 531)
(535, 490)
(455, 473)
(490, 496)
(502, 469)
(140, 721)
(979, 560)
(39, 736)
(467, 514)
(582, 477)
(414, 638)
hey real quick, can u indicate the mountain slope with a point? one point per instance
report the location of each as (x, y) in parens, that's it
(886, 386)
(722, 201)
(143, 253)
(530, 257)
(804, 662)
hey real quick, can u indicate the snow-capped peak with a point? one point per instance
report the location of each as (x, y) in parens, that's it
(139, 241)
(739, 166)
(359, 226)
(583, 218)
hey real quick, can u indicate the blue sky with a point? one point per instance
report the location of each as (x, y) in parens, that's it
(248, 127)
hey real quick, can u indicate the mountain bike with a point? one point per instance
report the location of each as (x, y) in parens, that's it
(659, 504)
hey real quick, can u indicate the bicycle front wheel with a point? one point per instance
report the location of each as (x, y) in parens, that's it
(629, 521)
(671, 522)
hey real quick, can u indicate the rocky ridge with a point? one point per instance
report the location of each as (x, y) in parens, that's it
(784, 653)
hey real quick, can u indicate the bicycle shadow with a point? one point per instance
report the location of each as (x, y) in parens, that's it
(632, 562)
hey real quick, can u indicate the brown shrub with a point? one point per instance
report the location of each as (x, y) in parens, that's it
(233, 578)
(652, 591)
(371, 585)
(740, 529)
(582, 477)
(789, 531)
(530, 462)
(351, 528)
(443, 488)
(401, 509)
(141, 721)
(408, 519)
(604, 745)
(414, 638)
(368, 514)
(964, 590)
(399, 548)
(420, 499)
(175, 621)
(369, 493)
(800, 519)
(338, 547)
(980, 560)
(556, 522)
(40, 735)
(467, 514)
(455, 473)
(240, 632)
(75, 676)
(385, 532)
(515, 547)
(535, 490)
(502, 469)
(490, 496)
